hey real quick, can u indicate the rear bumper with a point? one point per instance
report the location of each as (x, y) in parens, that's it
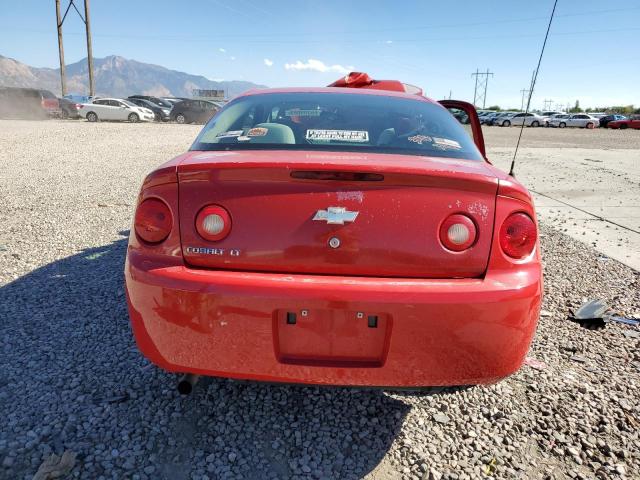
(433, 332)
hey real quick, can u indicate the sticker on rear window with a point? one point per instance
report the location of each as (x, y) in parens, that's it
(357, 136)
(420, 139)
(257, 132)
(298, 112)
(446, 144)
(230, 133)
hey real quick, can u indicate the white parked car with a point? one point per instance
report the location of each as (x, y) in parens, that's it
(581, 120)
(529, 119)
(115, 109)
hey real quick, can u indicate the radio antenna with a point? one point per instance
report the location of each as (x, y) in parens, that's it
(533, 83)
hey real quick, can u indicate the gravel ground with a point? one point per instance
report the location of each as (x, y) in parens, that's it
(599, 138)
(72, 378)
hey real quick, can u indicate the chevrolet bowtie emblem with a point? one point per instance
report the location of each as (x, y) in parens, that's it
(335, 216)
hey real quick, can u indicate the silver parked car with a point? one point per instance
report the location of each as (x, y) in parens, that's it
(581, 120)
(548, 115)
(529, 119)
(504, 119)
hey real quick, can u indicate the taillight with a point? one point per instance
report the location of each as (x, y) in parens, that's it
(153, 221)
(213, 223)
(458, 232)
(518, 235)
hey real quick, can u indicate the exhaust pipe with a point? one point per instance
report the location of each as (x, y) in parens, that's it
(187, 382)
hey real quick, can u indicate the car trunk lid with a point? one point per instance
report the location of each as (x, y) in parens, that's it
(336, 213)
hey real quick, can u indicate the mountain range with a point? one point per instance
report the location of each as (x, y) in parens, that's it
(115, 76)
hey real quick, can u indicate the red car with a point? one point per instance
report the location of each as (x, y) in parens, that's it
(633, 122)
(345, 236)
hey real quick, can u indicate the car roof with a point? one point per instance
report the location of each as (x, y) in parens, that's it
(339, 90)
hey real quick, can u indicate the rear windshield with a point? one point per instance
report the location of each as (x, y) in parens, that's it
(337, 121)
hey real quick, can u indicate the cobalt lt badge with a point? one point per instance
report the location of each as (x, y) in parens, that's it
(335, 216)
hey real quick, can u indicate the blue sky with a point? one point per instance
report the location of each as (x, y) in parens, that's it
(591, 56)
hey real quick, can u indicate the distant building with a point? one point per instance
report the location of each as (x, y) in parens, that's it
(206, 94)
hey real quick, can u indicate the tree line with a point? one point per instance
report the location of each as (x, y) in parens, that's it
(622, 109)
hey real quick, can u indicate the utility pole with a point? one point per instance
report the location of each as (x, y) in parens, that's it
(87, 23)
(63, 80)
(527, 93)
(524, 93)
(480, 91)
(547, 104)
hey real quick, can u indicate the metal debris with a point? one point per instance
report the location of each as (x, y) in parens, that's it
(631, 333)
(590, 310)
(619, 319)
(595, 314)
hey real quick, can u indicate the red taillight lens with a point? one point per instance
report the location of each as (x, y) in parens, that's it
(153, 221)
(458, 232)
(213, 223)
(518, 235)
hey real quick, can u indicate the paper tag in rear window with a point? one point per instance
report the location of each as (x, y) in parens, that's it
(446, 144)
(356, 136)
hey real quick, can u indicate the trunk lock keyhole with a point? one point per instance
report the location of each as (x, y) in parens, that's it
(334, 242)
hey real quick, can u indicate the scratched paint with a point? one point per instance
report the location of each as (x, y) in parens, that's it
(480, 209)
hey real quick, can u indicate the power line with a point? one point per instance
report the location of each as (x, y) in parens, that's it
(624, 227)
(548, 104)
(480, 92)
(293, 38)
(533, 84)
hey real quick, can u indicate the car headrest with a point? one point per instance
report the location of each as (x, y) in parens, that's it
(272, 133)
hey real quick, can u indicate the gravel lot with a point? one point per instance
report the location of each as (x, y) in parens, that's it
(72, 378)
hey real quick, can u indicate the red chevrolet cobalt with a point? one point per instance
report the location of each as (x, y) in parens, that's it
(344, 236)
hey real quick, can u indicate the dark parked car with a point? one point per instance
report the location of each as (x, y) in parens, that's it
(29, 103)
(69, 109)
(161, 114)
(489, 117)
(604, 121)
(174, 100)
(193, 111)
(157, 100)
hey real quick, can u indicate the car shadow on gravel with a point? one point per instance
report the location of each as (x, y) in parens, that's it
(73, 378)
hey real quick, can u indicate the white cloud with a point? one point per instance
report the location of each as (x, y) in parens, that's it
(222, 50)
(318, 66)
(389, 42)
(268, 63)
(232, 58)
